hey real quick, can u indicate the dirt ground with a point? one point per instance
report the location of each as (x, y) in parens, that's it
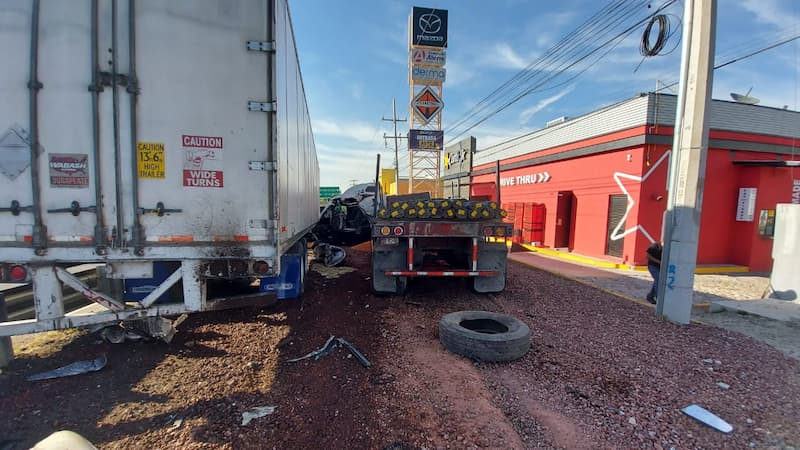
(602, 373)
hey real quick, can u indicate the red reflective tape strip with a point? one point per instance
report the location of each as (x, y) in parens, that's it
(474, 253)
(428, 273)
(86, 239)
(410, 253)
(27, 239)
(241, 238)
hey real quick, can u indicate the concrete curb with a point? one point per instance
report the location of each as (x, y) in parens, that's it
(619, 266)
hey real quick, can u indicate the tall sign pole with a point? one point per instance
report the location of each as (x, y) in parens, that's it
(688, 163)
(427, 41)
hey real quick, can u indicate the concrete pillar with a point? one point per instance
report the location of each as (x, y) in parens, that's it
(688, 163)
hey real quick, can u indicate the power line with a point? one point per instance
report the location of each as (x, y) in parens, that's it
(570, 51)
(532, 89)
(543, 132)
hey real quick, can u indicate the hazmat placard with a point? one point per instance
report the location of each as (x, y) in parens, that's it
(69, 170)
(202, 161)
(152, 163)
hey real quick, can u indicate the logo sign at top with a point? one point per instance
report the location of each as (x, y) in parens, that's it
(427, 104)
(425, 57)
(429, 27)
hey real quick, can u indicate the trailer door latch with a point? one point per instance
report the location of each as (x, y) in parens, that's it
(261, 46)
(261, 165)
(261, 106)
(159, 210)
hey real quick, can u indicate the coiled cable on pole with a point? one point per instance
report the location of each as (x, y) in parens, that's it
(645, 47)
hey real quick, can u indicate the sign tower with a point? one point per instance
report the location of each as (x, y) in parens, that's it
(427, 40)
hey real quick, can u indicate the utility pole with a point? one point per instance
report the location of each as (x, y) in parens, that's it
(394, 121)
(687, 163)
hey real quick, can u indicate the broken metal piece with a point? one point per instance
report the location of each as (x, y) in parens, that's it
(325, 350)
(708, 418)
(76, 368)
(359, 356)
(255, 413)
(332, 344)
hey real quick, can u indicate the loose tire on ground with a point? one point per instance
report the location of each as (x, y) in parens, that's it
(484, 336)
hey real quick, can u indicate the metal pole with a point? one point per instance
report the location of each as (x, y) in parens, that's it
(394, 121)
(688, 163)
(396, 161)
(6, 349)
(497, 180)
(377, 186)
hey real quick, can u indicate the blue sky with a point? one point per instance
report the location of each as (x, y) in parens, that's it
(353, 55)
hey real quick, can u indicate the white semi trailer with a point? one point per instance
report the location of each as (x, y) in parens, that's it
(149, 133)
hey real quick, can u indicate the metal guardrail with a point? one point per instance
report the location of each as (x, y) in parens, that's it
(19, 300)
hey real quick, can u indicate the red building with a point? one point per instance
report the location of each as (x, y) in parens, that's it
(602, 177)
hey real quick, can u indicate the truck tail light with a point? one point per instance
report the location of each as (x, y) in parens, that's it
(18, 273)
(398, 231)
(487, 231)
(261, 267)
(385, 231)
(500, 231)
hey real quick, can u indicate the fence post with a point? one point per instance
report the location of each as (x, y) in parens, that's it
(6, 349)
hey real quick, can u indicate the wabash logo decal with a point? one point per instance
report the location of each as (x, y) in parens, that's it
(69, 170)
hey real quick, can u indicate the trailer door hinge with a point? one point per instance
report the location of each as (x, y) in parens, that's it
(261, 46)
(261, 165)
(261, 106)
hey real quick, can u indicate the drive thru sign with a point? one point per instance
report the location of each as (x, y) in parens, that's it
(427, 104)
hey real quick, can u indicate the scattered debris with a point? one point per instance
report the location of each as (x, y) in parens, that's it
(331, 272)
(708, 361)
(255, 413)
(176, 424)
(382, 378)
(410, 302)
(76, 368)
(330, 255)
(708, 418)
(632, 421)
(723, 386)
(146, 328)
(253, 365)
(332, 344)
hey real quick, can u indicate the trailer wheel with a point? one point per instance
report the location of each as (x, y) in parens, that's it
(484, 336)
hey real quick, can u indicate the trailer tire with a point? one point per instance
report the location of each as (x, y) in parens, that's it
(484, 336)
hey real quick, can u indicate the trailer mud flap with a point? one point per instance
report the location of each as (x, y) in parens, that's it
(387, 258)
(491, 256)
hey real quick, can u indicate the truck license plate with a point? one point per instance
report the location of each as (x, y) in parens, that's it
(389, 241)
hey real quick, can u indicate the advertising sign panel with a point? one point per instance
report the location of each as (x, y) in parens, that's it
(426, 139)
(428, 74)
(426, 57)
(429, 27)
(427, 104)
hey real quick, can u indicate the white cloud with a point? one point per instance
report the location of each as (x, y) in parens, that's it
(458, 74)
(771, 12)
(526, 115)
(358, 131)
(502, 55)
